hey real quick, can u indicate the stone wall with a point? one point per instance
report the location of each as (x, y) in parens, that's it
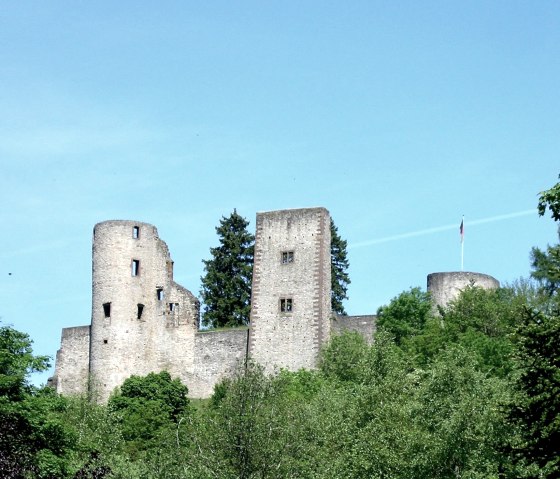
(142, 321)
(217, 355)
(364, 325)
(290, 312)
(72, 361)
(445, 287)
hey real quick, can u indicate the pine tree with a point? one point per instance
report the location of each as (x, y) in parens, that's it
(339, 267)
(226, 286)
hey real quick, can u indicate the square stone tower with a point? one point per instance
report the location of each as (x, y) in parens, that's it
(290, 305)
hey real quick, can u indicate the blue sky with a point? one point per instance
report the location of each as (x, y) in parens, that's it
(399, 117)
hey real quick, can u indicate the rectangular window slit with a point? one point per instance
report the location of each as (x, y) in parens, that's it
(287, 257)
(135, 267)
(286, 305)
(107, 310)
(173, 307)
(105, 341)
(159, 294)
(140, 310)
(136, 232)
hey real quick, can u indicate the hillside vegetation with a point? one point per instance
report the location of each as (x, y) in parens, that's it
(469, 391)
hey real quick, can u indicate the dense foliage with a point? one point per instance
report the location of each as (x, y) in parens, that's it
(339, 271)
(469, 391)
(226, 285)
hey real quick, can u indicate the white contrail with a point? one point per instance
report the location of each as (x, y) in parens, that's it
(438, 229)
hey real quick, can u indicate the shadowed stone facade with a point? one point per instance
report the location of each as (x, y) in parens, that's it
(142, 321)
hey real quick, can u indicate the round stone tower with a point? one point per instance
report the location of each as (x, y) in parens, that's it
(445, 287)
(140, 318)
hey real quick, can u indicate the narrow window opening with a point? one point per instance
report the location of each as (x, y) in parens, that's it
(159, 294)
(286, 305)
(105, 341)
(287, 257)
(135, 267)
(140, 310)
(107, 310)
(173, 307)
(136, 232)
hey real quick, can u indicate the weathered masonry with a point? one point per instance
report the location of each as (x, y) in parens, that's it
(142, 321)
(290, 304)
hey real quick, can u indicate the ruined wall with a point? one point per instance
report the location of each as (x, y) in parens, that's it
(364, 325)
(142, 321)
(445, 287)
(72, 361)
(217, 355)
(290, 312)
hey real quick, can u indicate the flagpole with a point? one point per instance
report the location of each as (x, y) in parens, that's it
(462, 232)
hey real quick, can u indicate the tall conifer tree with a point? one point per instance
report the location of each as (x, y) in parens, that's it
(226, 285)
(339, 271)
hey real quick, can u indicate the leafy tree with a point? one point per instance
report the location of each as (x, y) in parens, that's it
(479, 320)
(537, 411)
(546, 268)
(147, 406)
(253, 427)
(339, 271)
(226, 285)
(16, 362)
(344, 357)
(546, 264)
(406, 315)
(550, 199)
(32, 441)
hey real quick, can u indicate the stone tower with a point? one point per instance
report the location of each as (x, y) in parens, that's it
(445, 287)
(142, 321)
(290, 305)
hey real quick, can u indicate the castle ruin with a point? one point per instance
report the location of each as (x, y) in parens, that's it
(143, 321)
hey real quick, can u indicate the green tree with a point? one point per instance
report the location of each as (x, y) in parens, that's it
(406, 315)
(16, 363)
(252, 429)
(537, 410)
(226, 285)
(147, 406)
(339, 271)
(546, 264)
(33, 443)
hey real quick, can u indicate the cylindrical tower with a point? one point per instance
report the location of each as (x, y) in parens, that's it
(137, 309)
(445, 287)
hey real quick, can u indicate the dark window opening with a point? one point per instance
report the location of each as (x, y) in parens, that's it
(105, 341)
(135, 267)
(173, 307)
(136, 232)
(286, 305)
(287, 257)
(159, 294)
(140, 310)
(107, 309)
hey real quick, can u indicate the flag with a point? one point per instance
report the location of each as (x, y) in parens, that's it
(462, 230)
